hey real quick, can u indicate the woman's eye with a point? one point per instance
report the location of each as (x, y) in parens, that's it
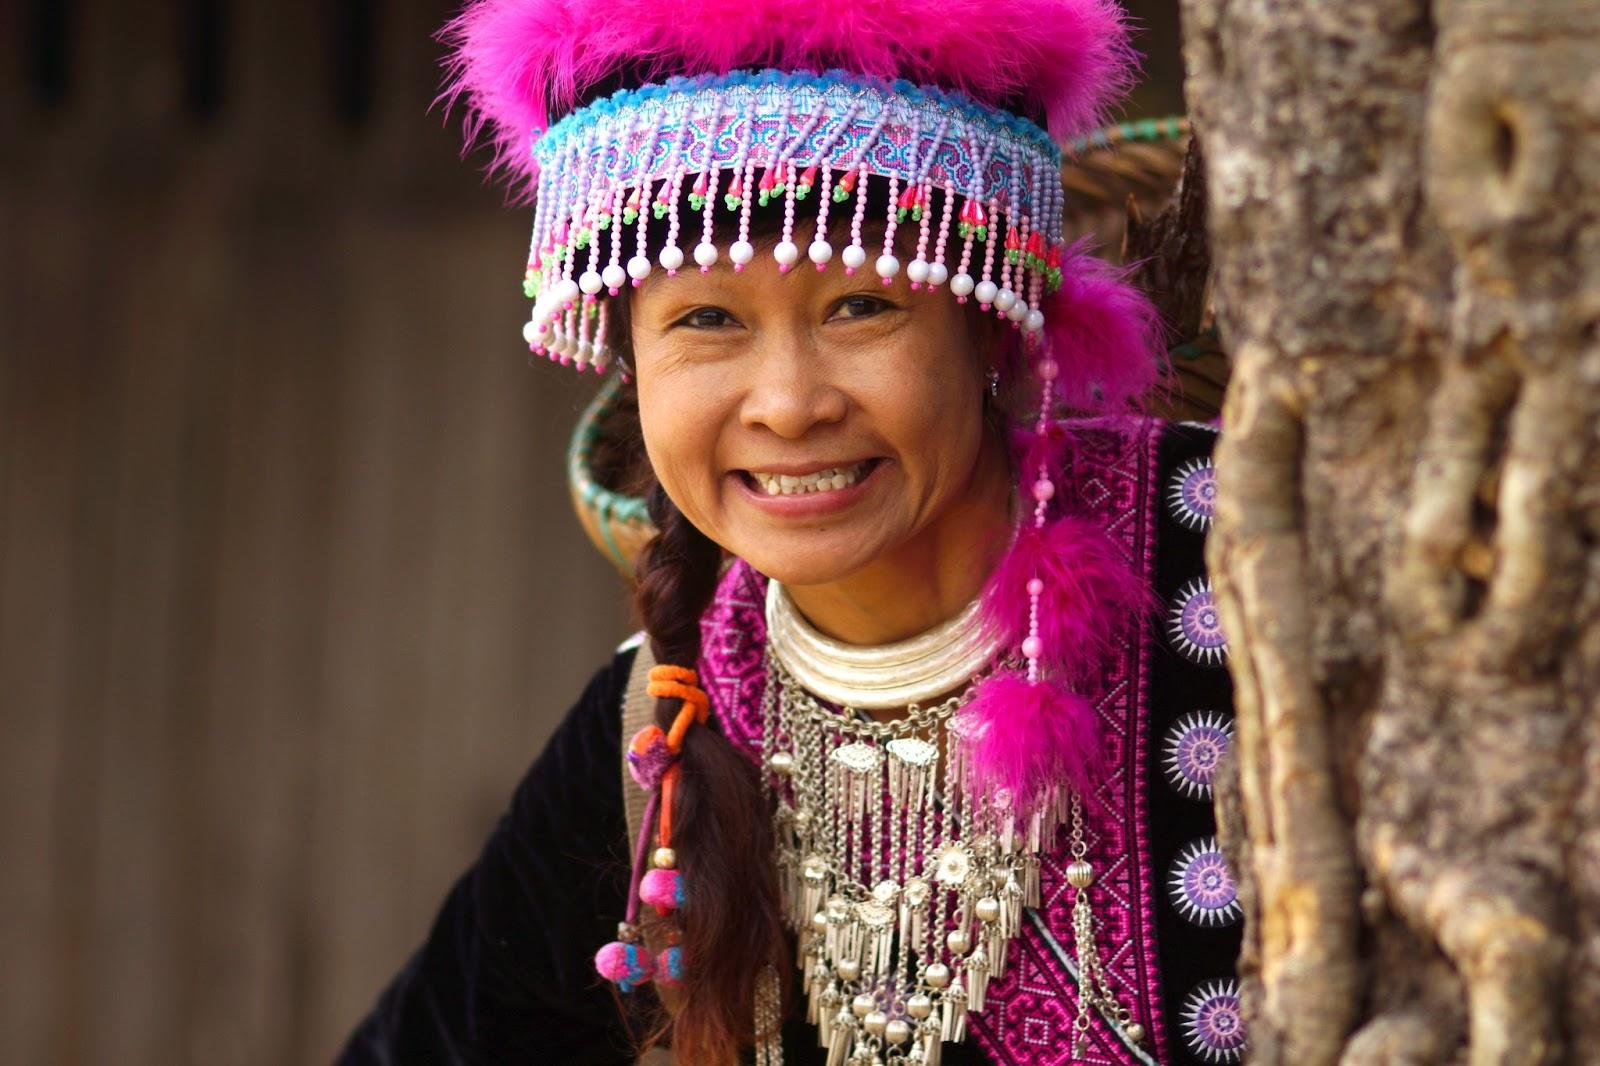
(706, 318)
(861, 306)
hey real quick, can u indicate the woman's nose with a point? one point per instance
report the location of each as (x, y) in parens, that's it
(792, 392)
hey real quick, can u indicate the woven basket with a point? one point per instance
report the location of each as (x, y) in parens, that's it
(1133, 166)
(617, 523)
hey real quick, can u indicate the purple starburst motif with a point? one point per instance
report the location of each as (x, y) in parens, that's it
(1201, 885)
(1213, 1023)
(1194, 627)
(1194, 745)
(1192, 494)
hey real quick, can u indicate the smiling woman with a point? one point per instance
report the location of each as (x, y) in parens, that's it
(895, 713)
(835, 432)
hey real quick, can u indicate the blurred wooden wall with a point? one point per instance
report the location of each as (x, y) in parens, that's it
(289, 591)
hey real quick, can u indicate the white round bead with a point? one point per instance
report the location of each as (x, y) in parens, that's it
(897, 1032)
(1003, 300)
(937, 975)
(938, 273)
(888, 266)
(532, 332)
(705, 253)
(786, 253)
(567, 290)
(917, 270)
(614, 276)
(985, 291)
(961, 284)
(741, 252)
(919, 1005)
(585, 350)
(639, 267)
(1018, 311)
(590, 282)
(855, 256)
(1034, 322)
(671, 257)
(819, 252)
(875, 1022)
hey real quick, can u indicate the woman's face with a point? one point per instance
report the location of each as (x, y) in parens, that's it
(808, 422)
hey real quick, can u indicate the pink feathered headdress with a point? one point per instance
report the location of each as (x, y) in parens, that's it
(520, 63)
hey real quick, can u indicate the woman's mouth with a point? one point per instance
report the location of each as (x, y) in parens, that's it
(825, 480)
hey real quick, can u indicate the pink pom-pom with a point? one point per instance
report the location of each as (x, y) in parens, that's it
(627, 965)
(669, 967)
(1090, 598)
(662, 889)
(649, 757)
(1024, 737)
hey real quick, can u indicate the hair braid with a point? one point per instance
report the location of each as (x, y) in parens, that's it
(732, 926)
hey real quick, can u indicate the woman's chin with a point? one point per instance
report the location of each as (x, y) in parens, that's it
(800, 564)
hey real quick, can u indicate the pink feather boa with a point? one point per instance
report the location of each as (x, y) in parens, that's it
(1024, 737)
(1027, 736)
(1092, 598)
(518, 63)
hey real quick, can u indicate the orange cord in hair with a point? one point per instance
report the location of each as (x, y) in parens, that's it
(676, 682)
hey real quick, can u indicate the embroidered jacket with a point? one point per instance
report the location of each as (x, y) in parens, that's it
(506, 975)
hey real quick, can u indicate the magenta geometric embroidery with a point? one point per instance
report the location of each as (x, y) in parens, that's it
(1029, 1014)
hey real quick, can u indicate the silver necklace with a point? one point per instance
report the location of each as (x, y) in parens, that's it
(920, 668)
(903, 888)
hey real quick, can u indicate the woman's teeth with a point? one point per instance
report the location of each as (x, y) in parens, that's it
(821, 481)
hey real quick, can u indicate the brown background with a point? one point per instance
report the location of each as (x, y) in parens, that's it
(289, 591)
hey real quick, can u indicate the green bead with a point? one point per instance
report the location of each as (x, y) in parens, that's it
(697, 201)
(659, 210)
(629, 216)
(840, 195)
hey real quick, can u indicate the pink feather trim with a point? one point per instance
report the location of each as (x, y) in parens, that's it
(519, 63)
(1092, 598)
(1034, 449)
(1104, 334)
(1025, 737)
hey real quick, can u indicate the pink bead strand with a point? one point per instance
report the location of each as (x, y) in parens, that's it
(947, 212)
(988, 249)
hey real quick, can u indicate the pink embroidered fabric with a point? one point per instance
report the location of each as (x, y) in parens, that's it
(1028, 1019)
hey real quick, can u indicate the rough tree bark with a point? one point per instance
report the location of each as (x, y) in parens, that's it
(1405, 219)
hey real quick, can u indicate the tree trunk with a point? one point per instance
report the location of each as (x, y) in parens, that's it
(1405, 220)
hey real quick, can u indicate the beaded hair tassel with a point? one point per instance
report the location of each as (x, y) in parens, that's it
(654, 763)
